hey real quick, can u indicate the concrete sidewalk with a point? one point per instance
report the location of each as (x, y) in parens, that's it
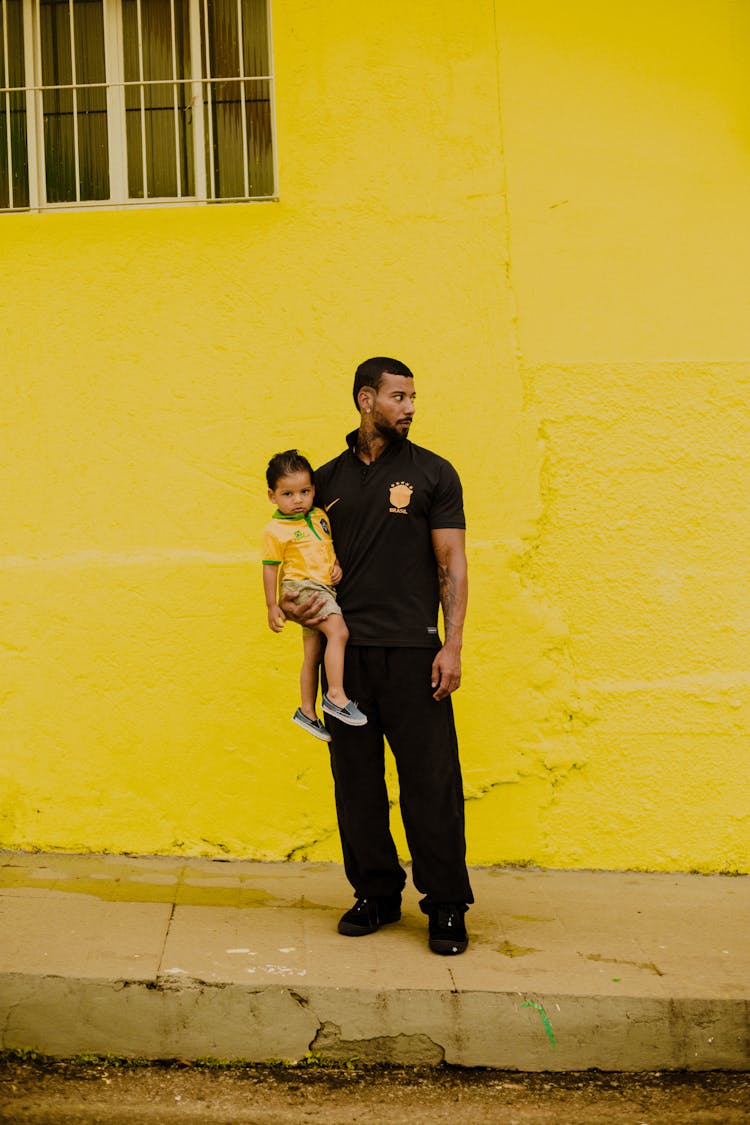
(189, 958)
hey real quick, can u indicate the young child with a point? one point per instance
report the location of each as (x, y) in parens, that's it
(299, 559)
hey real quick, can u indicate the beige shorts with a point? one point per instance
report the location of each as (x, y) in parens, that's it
(302, 590)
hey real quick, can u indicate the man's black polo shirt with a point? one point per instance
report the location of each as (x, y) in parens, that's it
(381, 518)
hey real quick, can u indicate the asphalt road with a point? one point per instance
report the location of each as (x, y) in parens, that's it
(103, 1093)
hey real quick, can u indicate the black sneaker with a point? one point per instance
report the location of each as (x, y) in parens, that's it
(447, 929)
(369, 914)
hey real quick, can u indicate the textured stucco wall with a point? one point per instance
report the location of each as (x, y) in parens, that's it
(628, 171)
(545, 218)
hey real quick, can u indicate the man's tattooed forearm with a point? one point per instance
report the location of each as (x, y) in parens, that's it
(448, 593)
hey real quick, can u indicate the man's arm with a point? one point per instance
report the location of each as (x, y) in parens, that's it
(304, 613)
(449, 545)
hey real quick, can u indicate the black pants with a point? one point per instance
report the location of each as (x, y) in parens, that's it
(392, 687)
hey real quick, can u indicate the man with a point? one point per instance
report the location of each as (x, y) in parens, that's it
(396, 514)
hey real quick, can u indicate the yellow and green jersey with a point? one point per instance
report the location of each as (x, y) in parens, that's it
(300, 545)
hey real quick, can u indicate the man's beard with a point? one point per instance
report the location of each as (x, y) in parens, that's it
(390, 433)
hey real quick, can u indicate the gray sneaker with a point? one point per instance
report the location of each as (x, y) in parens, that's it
(351, 714)
(312, 726)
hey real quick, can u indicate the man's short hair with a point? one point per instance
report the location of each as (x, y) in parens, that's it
(371, 372)
(286, 463)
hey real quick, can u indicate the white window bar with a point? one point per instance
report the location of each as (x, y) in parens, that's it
(142, 99)
(272, 96)
(33, 78)
(116, 137)
(6, 71)
(175, 110)
(76, 158)
(209, 108)
(241, 53)
(196, 101)
(34, 140)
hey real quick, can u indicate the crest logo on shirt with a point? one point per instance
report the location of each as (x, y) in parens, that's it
(400, 495)
(325, 526)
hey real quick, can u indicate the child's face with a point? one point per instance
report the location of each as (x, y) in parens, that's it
(293, 494)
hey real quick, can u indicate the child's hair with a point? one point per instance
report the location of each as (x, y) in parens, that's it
(282, 464)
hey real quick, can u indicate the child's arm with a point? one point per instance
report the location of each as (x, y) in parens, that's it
(336, 573)
(276, 616)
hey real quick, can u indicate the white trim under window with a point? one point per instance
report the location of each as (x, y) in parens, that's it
(112, 103)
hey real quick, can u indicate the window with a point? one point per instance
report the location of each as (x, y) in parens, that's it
(113, 102)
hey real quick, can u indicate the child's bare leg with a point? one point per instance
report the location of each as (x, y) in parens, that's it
(336, 634)
(308, 677)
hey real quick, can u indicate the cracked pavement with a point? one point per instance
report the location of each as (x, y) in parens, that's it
(160, 957)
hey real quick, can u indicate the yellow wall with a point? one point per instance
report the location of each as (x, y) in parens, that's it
(543, 211)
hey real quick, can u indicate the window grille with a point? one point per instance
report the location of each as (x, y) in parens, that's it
(115, 102)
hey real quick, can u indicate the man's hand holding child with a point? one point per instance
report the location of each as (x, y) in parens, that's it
(304, 613)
